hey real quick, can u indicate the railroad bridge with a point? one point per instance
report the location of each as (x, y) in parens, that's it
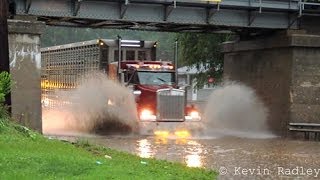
(277, 53)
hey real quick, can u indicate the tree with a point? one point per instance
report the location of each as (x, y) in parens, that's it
(204, 52)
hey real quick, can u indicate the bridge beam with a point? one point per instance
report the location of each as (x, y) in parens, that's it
(123, 9)
(227, 14)
(75, 6)
(27, 6)
(25, 67)
(284, 71)
(167, 11)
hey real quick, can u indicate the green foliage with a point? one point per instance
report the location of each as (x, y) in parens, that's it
(3, 124)
(5, 85)
(25, 131)
(82, 143)
(4, 114)
(202, 51)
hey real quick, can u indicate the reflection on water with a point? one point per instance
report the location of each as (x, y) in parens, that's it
(193, 150)
(161, 140)
(144, 148)
(193, 160)
(228, 153)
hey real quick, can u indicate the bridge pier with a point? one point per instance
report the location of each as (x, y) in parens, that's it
(284, 71)
(25, 68)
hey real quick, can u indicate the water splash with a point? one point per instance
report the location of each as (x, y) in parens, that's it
(234, 109)
(97, 105)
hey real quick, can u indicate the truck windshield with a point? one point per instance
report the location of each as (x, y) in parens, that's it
(156, 78)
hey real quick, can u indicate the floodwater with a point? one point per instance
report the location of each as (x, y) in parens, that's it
(235, 158)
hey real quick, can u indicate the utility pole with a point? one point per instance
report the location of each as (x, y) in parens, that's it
(4, 47)
(176, 60)
(120, 58)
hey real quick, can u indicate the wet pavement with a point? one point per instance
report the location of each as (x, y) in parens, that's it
(235, 158)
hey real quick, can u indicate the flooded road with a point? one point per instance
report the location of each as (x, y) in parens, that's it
(235, 158)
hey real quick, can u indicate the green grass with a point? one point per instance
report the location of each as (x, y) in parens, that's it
(27, 155)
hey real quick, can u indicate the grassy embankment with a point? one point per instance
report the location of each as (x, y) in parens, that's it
(25, 154)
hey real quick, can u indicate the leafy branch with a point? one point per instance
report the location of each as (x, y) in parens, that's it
(202, 51)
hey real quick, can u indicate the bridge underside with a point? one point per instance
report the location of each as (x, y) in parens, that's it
(165, 15)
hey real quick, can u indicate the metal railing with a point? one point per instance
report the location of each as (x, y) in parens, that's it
(309, 7)
(309, 129)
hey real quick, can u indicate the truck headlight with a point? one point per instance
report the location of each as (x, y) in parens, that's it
(193, 116)
(147, 115)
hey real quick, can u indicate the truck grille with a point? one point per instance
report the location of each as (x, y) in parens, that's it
(170, 105)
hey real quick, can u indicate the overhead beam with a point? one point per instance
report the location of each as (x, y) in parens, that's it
(75, 6)
(210, 11)
(123, 8)
(27, 6)
(226, 14)
(292, 19)
(251, 17)
(167, 11)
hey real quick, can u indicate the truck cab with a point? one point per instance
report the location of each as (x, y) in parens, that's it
(160, 102)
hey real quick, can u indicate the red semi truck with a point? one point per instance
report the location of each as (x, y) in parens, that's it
(161, 105)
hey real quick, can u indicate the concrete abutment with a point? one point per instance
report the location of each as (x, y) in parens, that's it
(25, 68)
(285, 72)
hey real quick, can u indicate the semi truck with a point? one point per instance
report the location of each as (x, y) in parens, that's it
(162, 108)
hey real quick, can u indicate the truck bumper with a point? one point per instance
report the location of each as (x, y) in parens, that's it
(184, 128)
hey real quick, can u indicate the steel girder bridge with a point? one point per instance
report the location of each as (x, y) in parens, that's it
(170, 15)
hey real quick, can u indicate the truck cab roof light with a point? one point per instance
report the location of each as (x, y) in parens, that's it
(130, 41)
(168, 67)
(154, 66)
(130, 45)
(134, 65)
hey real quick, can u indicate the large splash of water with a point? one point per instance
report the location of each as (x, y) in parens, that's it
(97, 105)
(234, 109)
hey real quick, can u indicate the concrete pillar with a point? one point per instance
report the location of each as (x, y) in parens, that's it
(25, 67)
(285, 72)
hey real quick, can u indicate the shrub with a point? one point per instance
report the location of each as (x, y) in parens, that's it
(5, 86)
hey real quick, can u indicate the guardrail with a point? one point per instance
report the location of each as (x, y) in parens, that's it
(309, 7)
(309, 129)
